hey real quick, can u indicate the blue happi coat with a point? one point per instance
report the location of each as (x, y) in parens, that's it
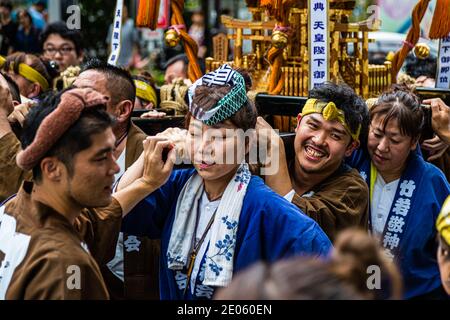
(269, 228)
(409, 236)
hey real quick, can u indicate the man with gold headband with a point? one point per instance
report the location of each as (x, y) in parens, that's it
(443, 255)
(317, 180)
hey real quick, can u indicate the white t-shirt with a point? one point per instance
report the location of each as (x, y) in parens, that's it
(383, 196)
(290, 195)
(116, 264)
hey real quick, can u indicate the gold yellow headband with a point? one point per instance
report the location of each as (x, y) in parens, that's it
(28, 73)
(443, 221)
(32, 75)
(145, 91)
(329, 112)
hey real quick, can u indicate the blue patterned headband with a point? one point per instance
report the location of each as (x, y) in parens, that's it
(228, 105)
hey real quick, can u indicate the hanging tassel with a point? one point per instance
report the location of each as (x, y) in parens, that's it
(440, 25)
(147, 16)
(411, 38)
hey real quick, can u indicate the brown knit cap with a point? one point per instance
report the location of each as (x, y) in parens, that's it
(72, 103)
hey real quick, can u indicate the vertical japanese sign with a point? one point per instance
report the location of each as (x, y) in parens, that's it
(443, 69)
(318, 42)
(115, 34)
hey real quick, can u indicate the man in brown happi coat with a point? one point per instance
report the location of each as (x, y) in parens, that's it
(317, 180)
(50, 244)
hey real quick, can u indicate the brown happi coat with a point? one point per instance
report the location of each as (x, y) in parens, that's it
(140, 267)
(338, 202)
(11, 176)
(60, 260)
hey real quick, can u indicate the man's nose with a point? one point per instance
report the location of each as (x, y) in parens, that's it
(115, 168)
(320, 137)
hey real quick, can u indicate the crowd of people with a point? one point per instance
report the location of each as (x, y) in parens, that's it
(93, 208)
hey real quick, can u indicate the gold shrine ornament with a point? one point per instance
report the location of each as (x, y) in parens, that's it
(172, 38)
(279, 39)
(422, 51)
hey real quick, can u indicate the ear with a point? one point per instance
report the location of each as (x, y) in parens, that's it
(351, 147)
(80, 57)
(124, 109)
(52, 168)
(414, 144)
(15, 103)
(299, 118)
(35, 90)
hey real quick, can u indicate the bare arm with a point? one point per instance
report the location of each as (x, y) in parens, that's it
(176, 136)
(155, 173)
(133, 173)
(275, 170)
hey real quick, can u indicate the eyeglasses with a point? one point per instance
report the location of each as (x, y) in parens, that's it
(62, 51)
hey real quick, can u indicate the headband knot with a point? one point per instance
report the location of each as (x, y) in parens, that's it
(330, 112)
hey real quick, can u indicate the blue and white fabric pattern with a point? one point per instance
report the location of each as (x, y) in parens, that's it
(220, 253)
(229, 104)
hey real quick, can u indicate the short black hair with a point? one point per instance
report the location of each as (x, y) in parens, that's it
(416, 67)
(13, 87)
(120, 84)
(355, 109)
(61, 29)
(179, 57)
(92, 121)
(6, 4)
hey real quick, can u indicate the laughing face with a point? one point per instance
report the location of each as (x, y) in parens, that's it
(321, 145)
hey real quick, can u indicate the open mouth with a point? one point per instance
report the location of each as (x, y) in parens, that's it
(314, 153)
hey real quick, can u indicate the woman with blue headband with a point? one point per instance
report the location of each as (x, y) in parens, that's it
(215, 219)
